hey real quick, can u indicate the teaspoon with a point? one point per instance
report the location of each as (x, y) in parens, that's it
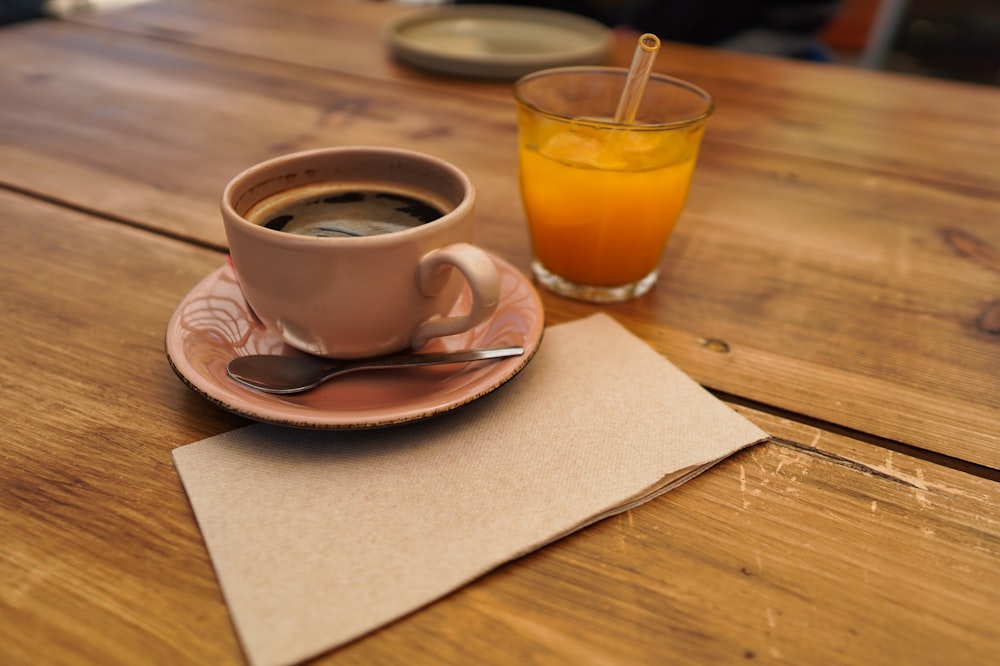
(294, 374)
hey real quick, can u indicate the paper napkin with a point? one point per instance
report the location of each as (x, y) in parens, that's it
(319, 537)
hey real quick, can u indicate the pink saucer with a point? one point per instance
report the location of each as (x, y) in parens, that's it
(213, 325)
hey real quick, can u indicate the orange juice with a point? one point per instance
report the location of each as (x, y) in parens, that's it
(602, 196)
(601, 203)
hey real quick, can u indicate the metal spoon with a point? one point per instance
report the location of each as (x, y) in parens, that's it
(294, 374)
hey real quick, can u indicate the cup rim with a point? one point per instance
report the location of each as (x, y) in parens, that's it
(230, 214)
(610, 124)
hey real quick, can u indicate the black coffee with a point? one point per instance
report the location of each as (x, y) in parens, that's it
(344, 213)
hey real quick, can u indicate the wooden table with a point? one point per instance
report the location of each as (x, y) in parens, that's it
(836, 278)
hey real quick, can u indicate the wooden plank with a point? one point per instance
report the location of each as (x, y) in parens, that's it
(891, 122)
(101, 560)
(776, 555)
(341, 36)
(859, 120)
(154, 130)
(813, 546)
(865, 296)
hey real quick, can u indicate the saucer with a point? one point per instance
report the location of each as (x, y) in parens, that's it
(496, 41)
(213, 324)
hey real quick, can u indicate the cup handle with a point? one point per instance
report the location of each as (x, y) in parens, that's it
(484, 281)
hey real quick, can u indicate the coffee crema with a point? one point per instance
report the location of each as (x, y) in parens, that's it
(347, 211)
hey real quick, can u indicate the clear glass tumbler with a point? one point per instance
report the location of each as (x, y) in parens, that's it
(602, 197)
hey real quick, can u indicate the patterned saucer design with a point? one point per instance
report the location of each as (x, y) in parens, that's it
(213, 324)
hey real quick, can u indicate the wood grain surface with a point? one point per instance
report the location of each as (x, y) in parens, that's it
(838, 257)
(835, 278)
(812, 544)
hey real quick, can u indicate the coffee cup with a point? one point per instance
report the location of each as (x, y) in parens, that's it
(360, 251)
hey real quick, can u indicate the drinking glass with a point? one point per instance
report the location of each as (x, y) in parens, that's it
(602, 197)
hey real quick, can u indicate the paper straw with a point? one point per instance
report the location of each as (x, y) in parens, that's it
(638, 75)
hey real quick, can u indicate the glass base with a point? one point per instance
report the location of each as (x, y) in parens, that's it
(593, 294)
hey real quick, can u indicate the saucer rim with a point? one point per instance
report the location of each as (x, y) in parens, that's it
(325, 419)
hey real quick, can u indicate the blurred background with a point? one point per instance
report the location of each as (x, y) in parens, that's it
(949, 39)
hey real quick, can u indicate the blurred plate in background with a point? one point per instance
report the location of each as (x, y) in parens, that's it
(494, 41)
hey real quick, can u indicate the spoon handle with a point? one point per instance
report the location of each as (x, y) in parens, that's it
(430, 358)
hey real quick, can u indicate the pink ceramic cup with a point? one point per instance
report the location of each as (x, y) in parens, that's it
(353, 297)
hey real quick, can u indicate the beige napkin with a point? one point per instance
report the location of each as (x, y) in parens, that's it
(319, 537)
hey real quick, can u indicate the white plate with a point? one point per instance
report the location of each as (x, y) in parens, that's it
(495, 41)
